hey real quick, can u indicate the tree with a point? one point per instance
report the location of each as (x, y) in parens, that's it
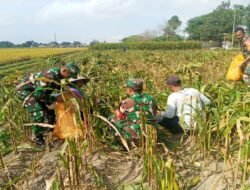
(76, 44)
(28, 44)
(66, 44)
(134, 38)
(6, 44)
(53, 44)
(169, 31)
(93, 42)
(224, 5)
(149, 35)
(214, 25)
(246, 20)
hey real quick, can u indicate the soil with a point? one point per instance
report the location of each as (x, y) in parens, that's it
(36, 169)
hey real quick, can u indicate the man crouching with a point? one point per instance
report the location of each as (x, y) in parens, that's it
(135, 111)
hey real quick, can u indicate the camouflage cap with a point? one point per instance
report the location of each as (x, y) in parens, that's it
(74, 69)
(135, 84)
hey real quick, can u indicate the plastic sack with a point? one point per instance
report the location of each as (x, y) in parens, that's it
(68, 123)
(234, 72)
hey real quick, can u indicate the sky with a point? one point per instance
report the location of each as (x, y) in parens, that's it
(87, 20)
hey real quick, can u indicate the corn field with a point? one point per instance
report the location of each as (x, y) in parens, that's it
(148, 45)
(221, 142)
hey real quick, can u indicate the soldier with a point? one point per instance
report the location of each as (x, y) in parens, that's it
(35, 91)
(245, 49)
(128, 116)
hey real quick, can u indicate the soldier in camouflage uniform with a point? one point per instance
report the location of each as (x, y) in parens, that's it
(35, 91)
(245, 49)
(128, 116)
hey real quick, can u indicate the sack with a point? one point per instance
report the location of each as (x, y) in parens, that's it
(234, 72)
(68, 124)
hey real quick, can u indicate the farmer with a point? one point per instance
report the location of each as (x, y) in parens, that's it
(182, 106)
(245, 49)
(35, 91)
(127, 118)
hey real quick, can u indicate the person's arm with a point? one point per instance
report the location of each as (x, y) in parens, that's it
(40, 93)
(247, 43)
(154, 107)
(43, 94)
(124, 107)
(43, 88)
(244, 63)
(171, 107)
(204, 99)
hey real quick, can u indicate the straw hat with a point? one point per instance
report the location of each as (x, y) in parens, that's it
(79, 78)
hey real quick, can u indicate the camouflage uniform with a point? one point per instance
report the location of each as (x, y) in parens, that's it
(35, 91)
(133, 109)
(244, 43)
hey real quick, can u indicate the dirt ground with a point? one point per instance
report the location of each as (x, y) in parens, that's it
(35, 169)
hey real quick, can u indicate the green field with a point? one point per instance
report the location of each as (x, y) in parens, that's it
(222, 138)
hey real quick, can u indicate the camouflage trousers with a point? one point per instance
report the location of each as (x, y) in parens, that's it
(132, 131)
(126, 130)
(246, 75)
(129, 130)
(37, 109)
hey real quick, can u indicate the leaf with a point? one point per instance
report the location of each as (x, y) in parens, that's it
(64, 160)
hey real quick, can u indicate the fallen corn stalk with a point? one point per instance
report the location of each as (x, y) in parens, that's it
(117, 132)
(40, 125)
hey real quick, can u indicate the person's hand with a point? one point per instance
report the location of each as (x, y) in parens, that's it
(119, 114)
(244, 64)
(242, 67)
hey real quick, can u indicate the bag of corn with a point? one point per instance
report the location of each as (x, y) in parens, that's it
(234, 72)
(68, 122)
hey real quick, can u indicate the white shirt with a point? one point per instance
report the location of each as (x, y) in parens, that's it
(185, 104)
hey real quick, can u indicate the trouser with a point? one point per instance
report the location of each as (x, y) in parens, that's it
(246, 75)
(172, 124)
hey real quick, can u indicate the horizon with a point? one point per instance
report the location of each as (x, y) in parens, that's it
(88, 20)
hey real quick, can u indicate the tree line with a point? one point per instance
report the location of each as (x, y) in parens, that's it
(215, 26)
(27, 44)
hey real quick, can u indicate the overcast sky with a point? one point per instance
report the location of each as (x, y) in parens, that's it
(86, 20)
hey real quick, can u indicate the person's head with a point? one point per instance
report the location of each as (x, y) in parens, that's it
(70, 70)
(239, 33)
(174, 83)
(134, 86)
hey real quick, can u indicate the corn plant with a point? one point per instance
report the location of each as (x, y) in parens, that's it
(72, 158)
(223, 132)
